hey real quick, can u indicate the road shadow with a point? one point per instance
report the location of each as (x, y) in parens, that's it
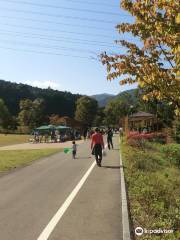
(116, 149)
(83, 157)
(113, 167)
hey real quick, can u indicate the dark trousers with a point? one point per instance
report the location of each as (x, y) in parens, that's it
(110, 143)
(98, 153)
(73, 154)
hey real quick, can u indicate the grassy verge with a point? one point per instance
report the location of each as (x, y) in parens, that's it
(153, 180)
(18, 158)
(11, 139)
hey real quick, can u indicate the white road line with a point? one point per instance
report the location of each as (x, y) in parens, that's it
(54, 221)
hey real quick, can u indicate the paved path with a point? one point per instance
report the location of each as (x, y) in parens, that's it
(31, 196)
(25, 146)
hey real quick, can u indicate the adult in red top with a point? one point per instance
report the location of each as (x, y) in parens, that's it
(97, 144)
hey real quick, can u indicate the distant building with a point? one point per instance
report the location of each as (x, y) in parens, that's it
(139, 121)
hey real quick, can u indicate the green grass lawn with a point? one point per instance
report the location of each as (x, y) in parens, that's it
(153, 180)
(11, 139)
(17, 158)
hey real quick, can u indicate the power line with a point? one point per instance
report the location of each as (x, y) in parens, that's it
(56, 31)
(14, 43)
(53, 22)
(58, 39)
(60, 16)
(47, 53)
(92, 3)
(65, 39)
(47, 46)
(77, 33)
(60, 7)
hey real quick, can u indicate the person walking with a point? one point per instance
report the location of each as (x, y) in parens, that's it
(74, 149)
(85, 133)
(97, 144)
(109, 138)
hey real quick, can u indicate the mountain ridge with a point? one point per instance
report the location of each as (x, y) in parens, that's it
(58, 102)
(104, 98)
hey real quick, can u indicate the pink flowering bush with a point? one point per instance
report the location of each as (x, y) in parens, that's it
(137, 139)
(137, 135)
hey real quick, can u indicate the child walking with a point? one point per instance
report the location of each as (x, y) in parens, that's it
(74, 149)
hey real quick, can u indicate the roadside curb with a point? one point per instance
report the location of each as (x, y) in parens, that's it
(125, 215)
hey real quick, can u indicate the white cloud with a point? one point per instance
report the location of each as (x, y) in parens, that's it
(45, 84)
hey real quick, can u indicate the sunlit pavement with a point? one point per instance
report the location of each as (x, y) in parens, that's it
(31, 196)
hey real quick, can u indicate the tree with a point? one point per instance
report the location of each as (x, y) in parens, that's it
(39, 106)
(4, 115)
(125, 104)
(56, 102)
(154, 66)
(112, 113)
(131, 101)
(31, 112)
(55, 119)
(99, 118)
(86, 109)
(164, 112)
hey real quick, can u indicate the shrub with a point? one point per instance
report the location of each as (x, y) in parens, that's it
(177, 131)
(137, 135)
(172, 153)
(159, 138)
(146, 161)
(153, 188)
(137, 139)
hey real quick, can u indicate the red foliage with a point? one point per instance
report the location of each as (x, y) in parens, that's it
(147, 136)
(137, 135)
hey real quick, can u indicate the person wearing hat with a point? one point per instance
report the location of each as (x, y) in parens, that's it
(97, 144)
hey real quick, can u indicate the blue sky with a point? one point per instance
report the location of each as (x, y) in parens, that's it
(54, 43)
